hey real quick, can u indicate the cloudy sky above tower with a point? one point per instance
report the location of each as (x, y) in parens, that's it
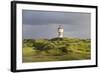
(44, 24)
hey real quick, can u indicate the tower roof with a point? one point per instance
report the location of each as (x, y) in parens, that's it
(60, 27)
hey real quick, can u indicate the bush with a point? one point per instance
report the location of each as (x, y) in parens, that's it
(39, 45)
(63, 49)
(28, 42)
(57, 46)
(43, 45)
(49, 46)
(54, 52)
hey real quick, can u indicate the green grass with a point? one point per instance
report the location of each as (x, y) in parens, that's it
(65, 49)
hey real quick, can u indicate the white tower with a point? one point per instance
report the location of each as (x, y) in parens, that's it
(60, 31)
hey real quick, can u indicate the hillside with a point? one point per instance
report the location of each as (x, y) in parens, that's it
(56, 49)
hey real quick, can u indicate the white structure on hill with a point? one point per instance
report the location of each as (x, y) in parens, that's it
(60, 31)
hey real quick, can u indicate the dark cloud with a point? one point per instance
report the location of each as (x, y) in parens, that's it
(44, 24)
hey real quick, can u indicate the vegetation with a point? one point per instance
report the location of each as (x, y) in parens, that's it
(56, 49)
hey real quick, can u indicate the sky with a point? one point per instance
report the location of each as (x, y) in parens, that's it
(44, 24)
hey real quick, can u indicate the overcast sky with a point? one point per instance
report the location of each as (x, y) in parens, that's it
(44, 24)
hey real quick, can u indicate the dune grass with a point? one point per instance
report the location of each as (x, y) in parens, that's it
(43, 50)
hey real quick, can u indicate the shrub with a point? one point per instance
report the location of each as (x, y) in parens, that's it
(49, 46)
(43, 45)
(54, 52)
(63, 49)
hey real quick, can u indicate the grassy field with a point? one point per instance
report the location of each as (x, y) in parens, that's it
(56, 49)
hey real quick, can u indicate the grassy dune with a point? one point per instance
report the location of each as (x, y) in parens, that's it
(56, 49)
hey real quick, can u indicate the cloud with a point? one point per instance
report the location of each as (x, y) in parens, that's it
(44, 24)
